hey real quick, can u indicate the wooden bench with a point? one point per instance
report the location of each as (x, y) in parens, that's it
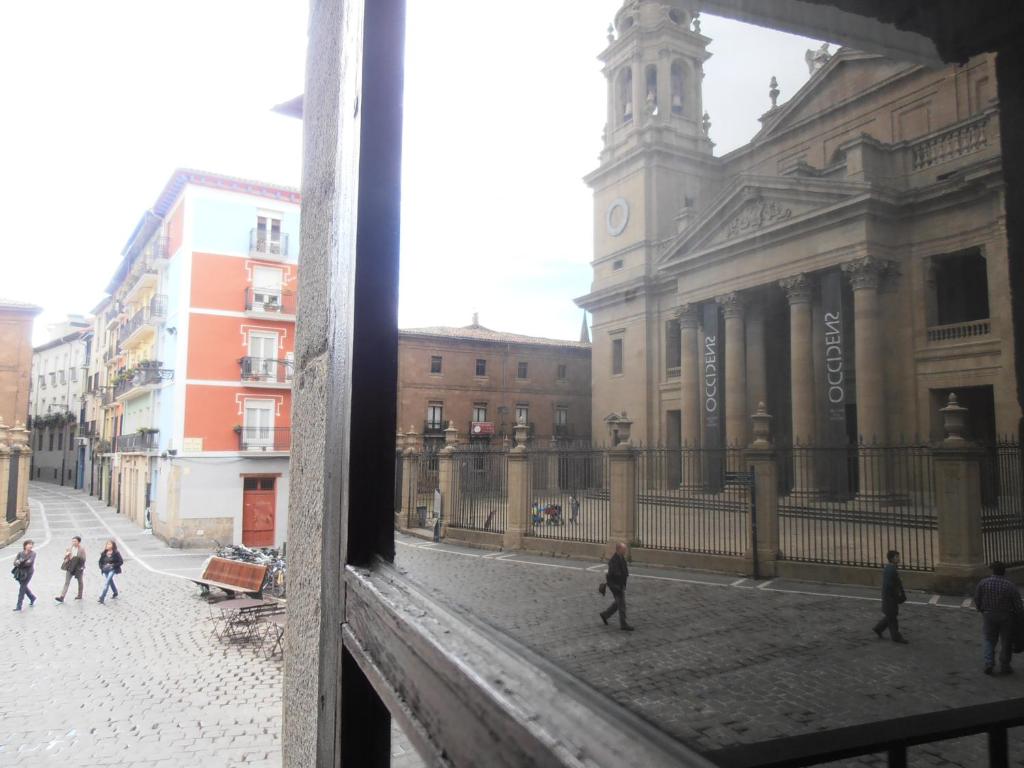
(232, 576)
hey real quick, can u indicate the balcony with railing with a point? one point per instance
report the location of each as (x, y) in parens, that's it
(264, 245)
(265, 371)
(434, 427)
(141, 327)
(959, 331)
(137, 442)
(142, 379)
(265, 439)
(107, 397)
(270, 301)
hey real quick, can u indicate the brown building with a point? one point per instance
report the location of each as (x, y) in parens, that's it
(15, 360)
(15, 453)
(485, 382)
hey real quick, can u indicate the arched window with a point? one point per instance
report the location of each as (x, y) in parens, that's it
(626, 95)
(677, 87)
(651, 89)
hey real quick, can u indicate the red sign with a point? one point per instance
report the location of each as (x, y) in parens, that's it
(481, 428)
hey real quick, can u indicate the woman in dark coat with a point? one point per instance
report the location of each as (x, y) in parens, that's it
(110, 565)
(24, 568)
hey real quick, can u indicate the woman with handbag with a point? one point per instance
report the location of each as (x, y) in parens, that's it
(110, 565)
(73, 566)
(24, 568)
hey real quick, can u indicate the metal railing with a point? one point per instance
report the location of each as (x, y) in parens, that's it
(270, 300)
(142, 377)
(1002, 509)
(569, 497)
(434, 427)
(849, 505)
(422, 482)
(261, 243)
(136, 442)
(481, 501)
(148, 315)
(264, 438)
(956, 331)
(265, 370)
(689, 500)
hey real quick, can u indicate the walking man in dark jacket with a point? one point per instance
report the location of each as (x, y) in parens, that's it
(998, 600)
(892, 596)
(25, 567)
(618, 574)
(73, 567)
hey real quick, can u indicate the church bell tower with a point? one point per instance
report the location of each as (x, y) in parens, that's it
(657, 165)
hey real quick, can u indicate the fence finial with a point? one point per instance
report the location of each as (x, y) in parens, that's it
(762, 427)
(954, 420)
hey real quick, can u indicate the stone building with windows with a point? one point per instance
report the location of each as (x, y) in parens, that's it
(848, 266)
(484, 382)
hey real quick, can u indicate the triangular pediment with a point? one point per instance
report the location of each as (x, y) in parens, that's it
(847, 76)
(753, 205)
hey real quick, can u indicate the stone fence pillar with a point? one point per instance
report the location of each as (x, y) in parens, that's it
(8, 506)
(447, 483)
(518, 498)
(410, 467)
(622, 492)
(961, 559)
(764, 532)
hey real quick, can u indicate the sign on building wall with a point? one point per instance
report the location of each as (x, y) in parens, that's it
(834, 321)
(712, 395)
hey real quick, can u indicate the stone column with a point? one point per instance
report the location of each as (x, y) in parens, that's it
(801, 377)
(689, 395)
(868, 369)
(622, 495)
(757, 370)
(518, 498)
(410, 467)
(760, 456)
(447, 483)
(5, 474)
(21, 438)
(961, 559)
(735, 372)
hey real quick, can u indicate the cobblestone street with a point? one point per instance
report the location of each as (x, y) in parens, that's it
(718, 661)
(140, 680)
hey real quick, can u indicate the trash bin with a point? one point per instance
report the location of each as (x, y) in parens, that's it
(421, 513)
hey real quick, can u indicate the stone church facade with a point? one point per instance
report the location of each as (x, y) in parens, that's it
(847, 267)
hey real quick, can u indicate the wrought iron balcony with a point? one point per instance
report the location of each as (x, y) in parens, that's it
(270, 301)
(144, 319)
(563, 430)
(434, 427)
(137, 442)
(265, 370)
(262, 244)
(145, 376)
(264, 438)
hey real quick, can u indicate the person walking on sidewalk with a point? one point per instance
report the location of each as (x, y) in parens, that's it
(74, 567)
(892, 596)
(618, 574)
(998, 601)
(110, 566)
(24, 568)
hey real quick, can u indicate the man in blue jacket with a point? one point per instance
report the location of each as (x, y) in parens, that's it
(892, 596)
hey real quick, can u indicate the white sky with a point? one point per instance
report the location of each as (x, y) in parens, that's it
(503, 119)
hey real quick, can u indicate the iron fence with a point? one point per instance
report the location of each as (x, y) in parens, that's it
(849, 505)
(422, 482)
(569, 498)
(1002, 511)
(481, 498)
(693, 500)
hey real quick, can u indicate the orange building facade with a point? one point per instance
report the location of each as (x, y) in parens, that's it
(201, 404)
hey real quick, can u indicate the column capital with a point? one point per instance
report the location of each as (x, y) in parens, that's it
(866, 272)
(687, 315)
(732, 303)
(798, 288)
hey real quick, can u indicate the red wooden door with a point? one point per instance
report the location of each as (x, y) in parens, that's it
(259, 510)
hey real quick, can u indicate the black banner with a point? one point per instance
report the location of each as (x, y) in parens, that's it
(833, 319)
(713, 392)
